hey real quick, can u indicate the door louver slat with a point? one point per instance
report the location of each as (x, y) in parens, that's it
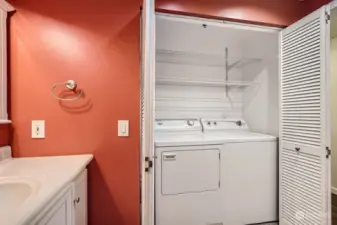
(302, 45)
(301, 92)
(304, 72)
(300, 66)
(301, 52)
(300, 30)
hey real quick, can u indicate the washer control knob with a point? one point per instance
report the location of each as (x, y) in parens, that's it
(209, 123)
(190, 123)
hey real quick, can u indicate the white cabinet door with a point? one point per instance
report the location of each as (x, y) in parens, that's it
(60, 213)
(304, 135)
(80, 203)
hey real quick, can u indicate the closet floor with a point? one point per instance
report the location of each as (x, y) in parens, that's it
(334, 209)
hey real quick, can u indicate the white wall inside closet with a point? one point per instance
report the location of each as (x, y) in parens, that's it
(261, 100)
(200, 56)
(191, 71)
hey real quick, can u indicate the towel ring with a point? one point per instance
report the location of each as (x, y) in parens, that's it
(70, 85)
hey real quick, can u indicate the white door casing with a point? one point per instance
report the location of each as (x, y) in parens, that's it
(147, 111)
(328, 120)
(304, 134)
(3, 67)
(5, 7)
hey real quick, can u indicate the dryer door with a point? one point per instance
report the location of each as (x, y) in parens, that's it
(190, 171)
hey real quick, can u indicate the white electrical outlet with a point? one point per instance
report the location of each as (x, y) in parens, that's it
(38, 129)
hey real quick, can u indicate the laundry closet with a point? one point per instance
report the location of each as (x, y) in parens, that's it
(216, 101)
(236, 121)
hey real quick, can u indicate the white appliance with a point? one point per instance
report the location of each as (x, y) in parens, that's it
(248, 171)
(214, 172)
(187, 175)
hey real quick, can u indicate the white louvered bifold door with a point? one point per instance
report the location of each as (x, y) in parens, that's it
(147, 110)
(303, 134)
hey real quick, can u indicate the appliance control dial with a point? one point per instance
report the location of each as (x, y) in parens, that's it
(190, 123)
(239, 123)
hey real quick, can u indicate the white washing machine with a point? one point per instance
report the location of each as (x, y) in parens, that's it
(249, 171)
(187, 175)
(214, 172)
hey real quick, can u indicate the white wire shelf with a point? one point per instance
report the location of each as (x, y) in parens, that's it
(201, 59)
(213, 83)
(220, 109)
(194, 99)
(243, 62)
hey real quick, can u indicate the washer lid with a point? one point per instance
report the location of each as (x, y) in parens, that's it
(231, 130)
(193, 139)
(177, 132)
(238, 136)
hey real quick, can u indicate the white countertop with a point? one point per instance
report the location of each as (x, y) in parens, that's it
(49, 175)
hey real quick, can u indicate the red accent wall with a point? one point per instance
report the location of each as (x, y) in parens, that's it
(270, 12)
(96, 43)
(4, 134)
(312, 5)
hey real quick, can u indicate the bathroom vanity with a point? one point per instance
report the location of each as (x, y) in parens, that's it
(69, 207)
(43, 190)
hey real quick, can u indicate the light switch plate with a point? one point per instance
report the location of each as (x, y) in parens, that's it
(123, 128)
(38, 129)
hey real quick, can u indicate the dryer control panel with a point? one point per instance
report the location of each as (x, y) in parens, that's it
(224, 124)
(184, 124)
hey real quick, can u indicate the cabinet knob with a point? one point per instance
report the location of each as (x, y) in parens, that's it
(77, 200)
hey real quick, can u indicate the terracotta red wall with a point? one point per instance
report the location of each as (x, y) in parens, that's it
(272, 12)
(4, 135)
(97, 44)
(312, 5)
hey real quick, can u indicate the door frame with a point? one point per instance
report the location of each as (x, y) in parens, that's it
(147, 88)
(221, 23)
(147, 202)
(332, 5)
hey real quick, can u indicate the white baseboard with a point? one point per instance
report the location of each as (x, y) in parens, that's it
(334, 190)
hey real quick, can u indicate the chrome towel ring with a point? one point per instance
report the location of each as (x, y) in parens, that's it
(70, 85)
